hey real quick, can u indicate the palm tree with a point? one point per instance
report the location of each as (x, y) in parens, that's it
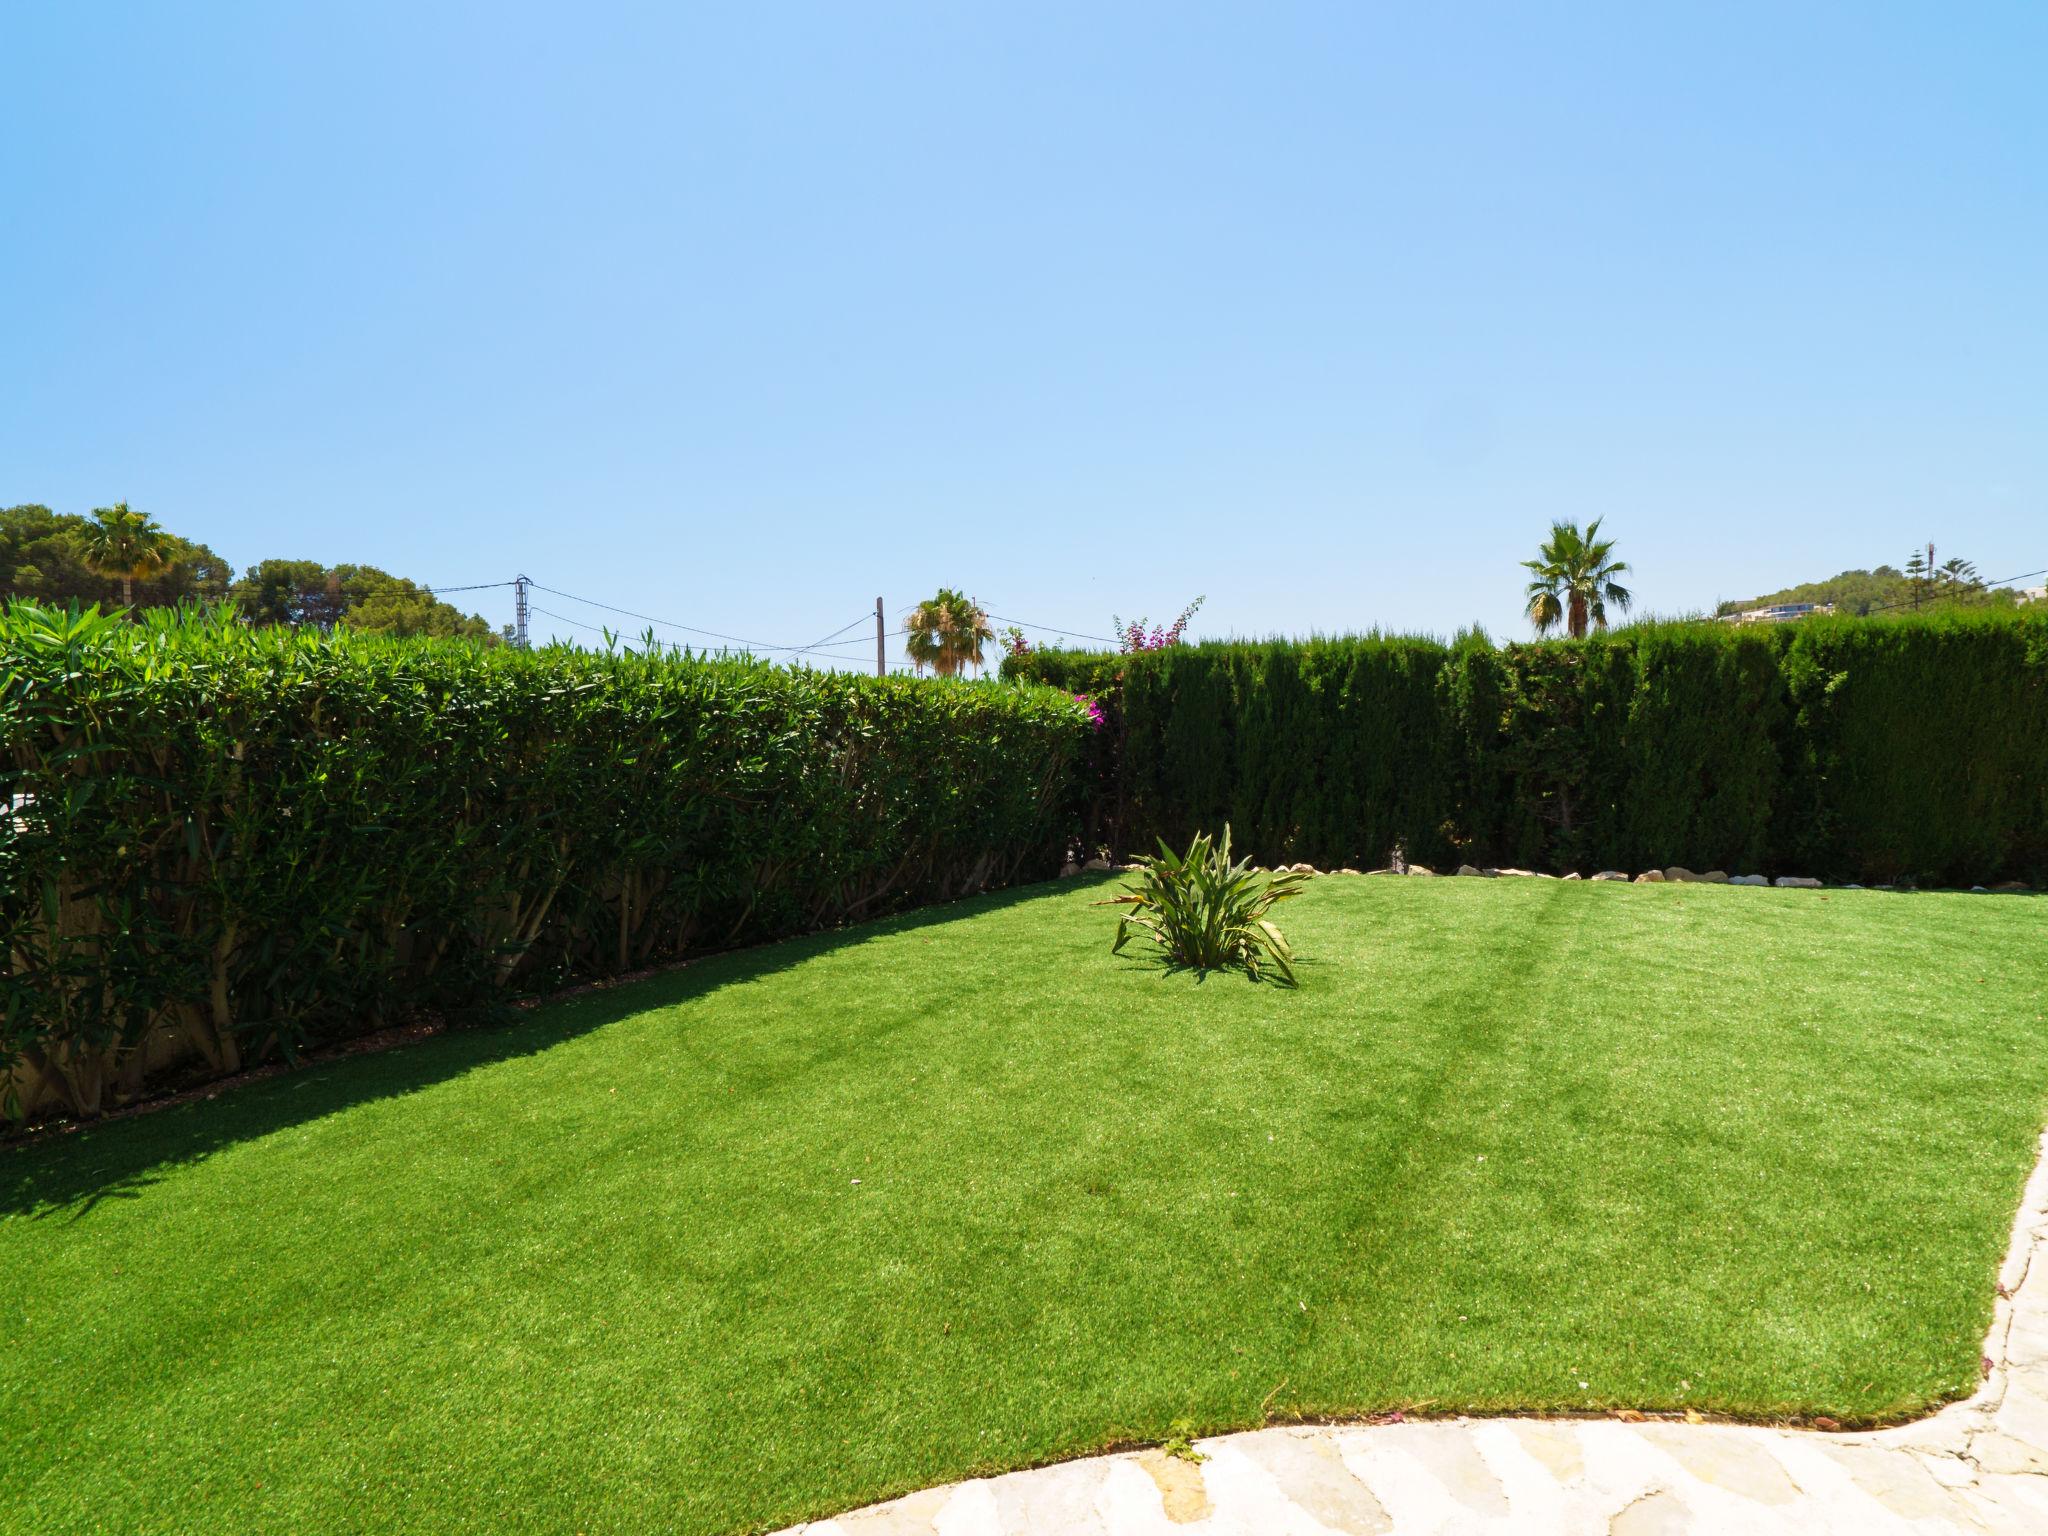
(947, 633)
(1575, 580)
(119, 541)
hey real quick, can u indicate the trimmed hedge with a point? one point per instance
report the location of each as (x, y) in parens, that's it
(226, 842)
(221, 842)
(1911, 749)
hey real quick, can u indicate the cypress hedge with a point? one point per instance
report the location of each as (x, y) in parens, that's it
(220, 842)
(1909, 749)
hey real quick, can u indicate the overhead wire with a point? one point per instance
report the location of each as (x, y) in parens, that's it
(1050, 629)
(831, 646)
(825, 645)
(793, 651)
(2003, 581)
(563, 618)
(848, 652)
(1053, 629)
(759, 645)
(820, 645)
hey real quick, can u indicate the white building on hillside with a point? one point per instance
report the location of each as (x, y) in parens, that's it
(1777, 613)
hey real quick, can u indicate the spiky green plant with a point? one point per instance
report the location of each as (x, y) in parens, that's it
(1206, 912)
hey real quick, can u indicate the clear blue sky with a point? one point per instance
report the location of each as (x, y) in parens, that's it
(744, 314)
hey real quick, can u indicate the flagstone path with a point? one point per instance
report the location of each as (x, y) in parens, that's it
(1978, 1466)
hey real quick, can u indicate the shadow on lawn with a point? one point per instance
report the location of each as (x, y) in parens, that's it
(66, 1173)
(1167, 966)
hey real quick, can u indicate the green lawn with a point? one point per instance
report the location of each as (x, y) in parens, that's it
(795, 1229)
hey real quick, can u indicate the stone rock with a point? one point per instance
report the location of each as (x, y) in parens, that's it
(1419, 869)
(2007, 887)
(1749, 880)
(1467, 869)
(1516, 874)
(1797, 882)
(1659, 1512)
(1097, 864)
(1346, 870)
(1680, 873)
(1069, 869)
(1610, 874)
(1301, 869)
(1310, 1475)
(1183, 1496)
(1389, 870)
(1650, 877)
(1572, 876)
(1714, 877)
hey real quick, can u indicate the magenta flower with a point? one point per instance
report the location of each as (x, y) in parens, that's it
(1135, 637)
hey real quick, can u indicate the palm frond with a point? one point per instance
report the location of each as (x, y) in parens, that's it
(1575, 582)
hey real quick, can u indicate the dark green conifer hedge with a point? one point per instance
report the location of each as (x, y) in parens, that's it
(1874, 750)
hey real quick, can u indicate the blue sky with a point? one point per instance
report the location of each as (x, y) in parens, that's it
(744, 315)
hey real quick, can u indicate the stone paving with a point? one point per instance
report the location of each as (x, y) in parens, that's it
(1977, 1466)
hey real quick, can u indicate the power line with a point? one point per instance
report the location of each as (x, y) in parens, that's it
(834, 645)
(791, 651)
(850, 650)
(649, 618)
(2002, 581)
(818, 645)
(565, 619)
(1050, 629)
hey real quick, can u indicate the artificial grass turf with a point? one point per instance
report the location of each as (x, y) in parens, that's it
(795, 1229)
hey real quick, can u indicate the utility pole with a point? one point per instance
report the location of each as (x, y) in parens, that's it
(519, 584)
(881, 643)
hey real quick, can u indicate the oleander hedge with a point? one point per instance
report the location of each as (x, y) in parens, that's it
(1910, 749)
(219, 843)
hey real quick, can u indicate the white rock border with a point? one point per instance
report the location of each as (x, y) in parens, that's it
(1676, 874)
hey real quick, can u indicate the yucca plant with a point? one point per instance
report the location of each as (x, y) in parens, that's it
(1207, 912)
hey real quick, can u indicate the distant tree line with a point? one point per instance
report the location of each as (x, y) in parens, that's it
(118, 557)
(1924, 583)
